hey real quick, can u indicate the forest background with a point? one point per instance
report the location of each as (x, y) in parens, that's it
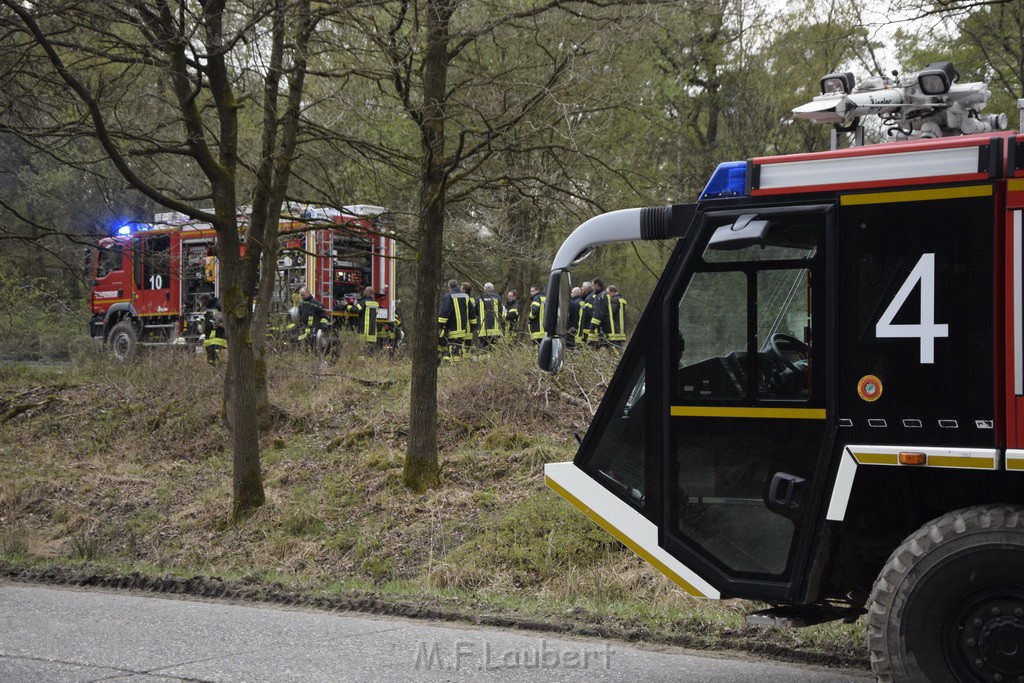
(490, 129)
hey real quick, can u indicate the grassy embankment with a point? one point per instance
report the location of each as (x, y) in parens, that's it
(126, 469)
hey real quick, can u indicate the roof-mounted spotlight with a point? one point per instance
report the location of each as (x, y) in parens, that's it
(837, 84)
(936, 78)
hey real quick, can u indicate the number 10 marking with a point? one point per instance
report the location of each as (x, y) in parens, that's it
(927, 330)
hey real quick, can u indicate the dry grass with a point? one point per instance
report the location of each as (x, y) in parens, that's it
(128, 467)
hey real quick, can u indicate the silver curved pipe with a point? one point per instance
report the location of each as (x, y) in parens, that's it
(615, 226)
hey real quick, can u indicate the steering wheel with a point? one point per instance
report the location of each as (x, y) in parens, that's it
(780, 344)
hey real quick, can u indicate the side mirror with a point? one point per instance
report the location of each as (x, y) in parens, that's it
(552, 348)
(551, 354)
(557, 305)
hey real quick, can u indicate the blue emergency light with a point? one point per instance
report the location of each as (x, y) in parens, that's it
(125, 229)
(728, 180)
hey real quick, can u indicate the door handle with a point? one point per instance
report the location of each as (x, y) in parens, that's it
(786, 490)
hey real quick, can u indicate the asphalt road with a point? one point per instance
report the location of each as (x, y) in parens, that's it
(58, 635)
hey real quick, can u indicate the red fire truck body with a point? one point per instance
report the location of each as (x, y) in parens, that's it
(148, 280)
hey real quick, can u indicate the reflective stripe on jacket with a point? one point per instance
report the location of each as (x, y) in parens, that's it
(537, 304)
(490, 314)
(366, 308)
(454, 316)
(616, 318)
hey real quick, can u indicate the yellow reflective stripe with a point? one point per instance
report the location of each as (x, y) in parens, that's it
(726, 411)
(877, 458)
(1015, 185)
(369, 313)
(953, 461)
(916, 195)
(625, 540)
(980, 461)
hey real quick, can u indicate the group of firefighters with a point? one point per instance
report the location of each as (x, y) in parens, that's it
(313, 317)
(596, 317)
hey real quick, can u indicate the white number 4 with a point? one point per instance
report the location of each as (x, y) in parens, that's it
(926, 330)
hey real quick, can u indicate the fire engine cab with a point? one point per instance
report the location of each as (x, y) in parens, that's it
(149, 278)
(822, 406)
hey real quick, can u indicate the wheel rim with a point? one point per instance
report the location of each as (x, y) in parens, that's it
(122, 345)
(985, 634)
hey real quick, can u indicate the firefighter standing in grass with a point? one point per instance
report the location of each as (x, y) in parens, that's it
(574, 324)
(213, 327)
(312, 315)
(472, 318)
(489, 313)
(597, 329)
(511, 313)
(586, 309)
(366, 311)
(452, 322)
(536, 317)
(616, 336)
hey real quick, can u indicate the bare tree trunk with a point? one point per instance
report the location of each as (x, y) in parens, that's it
(422, 469)
(243, 382)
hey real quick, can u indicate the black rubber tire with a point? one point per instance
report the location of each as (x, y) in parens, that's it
(123, 341)
(949, 603)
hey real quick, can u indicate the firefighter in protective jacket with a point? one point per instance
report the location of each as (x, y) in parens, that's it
(214, 338)
(453, 322)
(616, 317)
(598, 300)
(574, 325)
(366, 308)
(489, 312)
(312, 316)
(473, 318)
(511, 312)
(536, 317)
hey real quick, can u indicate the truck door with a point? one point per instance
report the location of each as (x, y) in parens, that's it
(152, 261)
(745, 404)
(110, 279)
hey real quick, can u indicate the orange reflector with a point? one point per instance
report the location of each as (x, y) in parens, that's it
(911, 458)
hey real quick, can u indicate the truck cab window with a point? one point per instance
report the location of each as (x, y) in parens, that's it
(745, 318)
(618, 459)
(109, 259)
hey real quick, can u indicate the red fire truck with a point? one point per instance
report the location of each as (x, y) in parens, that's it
(822, 406)
(148, 278)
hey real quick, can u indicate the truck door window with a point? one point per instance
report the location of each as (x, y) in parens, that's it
(713, 325)
(156, 273)
(745, 318)
(618, 459)
(109, 259)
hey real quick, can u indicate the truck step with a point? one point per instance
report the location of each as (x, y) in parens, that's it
(799, 616)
